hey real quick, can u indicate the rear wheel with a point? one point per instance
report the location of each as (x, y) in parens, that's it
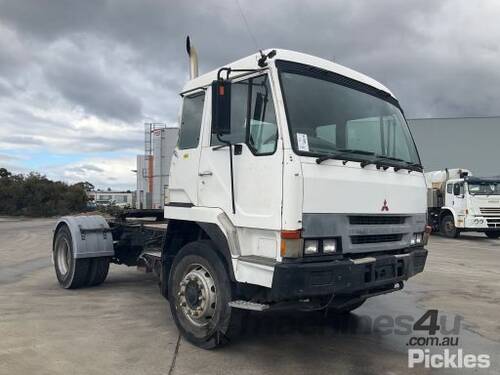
(199, 291)
(71, 273)
(98, 271)
(448, 228)
(493, 235)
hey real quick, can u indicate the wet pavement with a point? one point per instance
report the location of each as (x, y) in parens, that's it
(125, 327)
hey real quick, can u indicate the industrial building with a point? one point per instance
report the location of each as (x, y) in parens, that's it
(154, 165)
(459, 142)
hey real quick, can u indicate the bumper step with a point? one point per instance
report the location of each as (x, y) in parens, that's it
(247, 305)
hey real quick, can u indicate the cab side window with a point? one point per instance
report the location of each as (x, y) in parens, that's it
(253, 118)
(458, 189)
(192, 111)
(449, 188)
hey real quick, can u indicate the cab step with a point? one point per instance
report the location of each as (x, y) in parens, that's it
(247, 305)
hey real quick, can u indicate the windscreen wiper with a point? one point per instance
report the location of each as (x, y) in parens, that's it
(342, 154)
(416, 166)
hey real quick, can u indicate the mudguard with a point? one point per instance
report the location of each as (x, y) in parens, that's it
(91, 235)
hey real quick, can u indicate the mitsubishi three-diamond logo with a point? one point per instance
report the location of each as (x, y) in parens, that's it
(385, 207)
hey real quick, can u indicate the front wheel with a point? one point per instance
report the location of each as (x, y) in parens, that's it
(199, 291)
(448, 228)
(493, 235)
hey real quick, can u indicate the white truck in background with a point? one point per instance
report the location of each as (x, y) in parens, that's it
(295, 183)
(459, 202)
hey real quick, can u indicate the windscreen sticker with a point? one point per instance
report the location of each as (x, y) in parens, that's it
(302, 142)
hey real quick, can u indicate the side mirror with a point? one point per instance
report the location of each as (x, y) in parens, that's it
(221, 107)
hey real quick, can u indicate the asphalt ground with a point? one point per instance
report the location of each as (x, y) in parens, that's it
(124, 326)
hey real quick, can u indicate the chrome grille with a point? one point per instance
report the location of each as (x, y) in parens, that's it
(490, 210)
(375, 238)
(376, 220)
(493, 222)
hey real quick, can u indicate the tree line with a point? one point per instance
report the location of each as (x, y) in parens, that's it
(35, 195)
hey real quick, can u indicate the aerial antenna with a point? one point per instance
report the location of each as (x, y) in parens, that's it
(247, 25)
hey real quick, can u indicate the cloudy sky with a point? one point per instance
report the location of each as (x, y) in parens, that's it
(79, 78)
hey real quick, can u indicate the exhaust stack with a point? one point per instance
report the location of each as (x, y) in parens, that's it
(193, 59)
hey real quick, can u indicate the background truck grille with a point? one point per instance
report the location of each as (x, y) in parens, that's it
(493, 222)
(376, 219)
(375, 238)
(490, 210)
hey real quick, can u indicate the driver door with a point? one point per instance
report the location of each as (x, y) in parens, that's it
(257, 159)
(459, 198)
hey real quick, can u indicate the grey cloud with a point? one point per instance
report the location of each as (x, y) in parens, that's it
(60, 137)
(5, 89)
(22, 140)
(85, 168)
(93, 91)
(102, 144)
(398, 42)
(90, 167)
(8, 158)
(124, 62)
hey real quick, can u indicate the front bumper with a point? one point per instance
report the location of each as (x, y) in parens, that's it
(352, 277)
(480, 223)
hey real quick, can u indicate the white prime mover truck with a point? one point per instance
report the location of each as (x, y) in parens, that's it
(295, 183)
(459, 202)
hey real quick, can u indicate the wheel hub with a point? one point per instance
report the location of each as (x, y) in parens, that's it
(193, 294)
(197, 295)
(63, 256)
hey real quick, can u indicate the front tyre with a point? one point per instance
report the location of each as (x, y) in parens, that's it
(199, 291)
(71, 273)
(448, 228)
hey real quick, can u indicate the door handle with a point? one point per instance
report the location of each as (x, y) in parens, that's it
(206, 173)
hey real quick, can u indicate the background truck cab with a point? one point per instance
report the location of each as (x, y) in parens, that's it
(459, 202)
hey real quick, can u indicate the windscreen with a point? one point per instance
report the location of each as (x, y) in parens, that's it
(484, 188)
(325, 116)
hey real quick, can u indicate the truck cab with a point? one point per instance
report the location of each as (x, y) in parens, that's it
(307, 172)
(473, 204)
(460, 202)
(295, 183)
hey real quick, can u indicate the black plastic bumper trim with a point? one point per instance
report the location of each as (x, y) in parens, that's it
(344, 277)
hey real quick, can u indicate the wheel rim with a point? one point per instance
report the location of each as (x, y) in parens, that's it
(449, 226)
(197, 295)
(63, 256)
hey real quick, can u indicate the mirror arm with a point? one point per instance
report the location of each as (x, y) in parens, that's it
(230, 70)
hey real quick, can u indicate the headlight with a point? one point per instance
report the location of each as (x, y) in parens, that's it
(310, 246)
(417, 239)
(329, 246)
